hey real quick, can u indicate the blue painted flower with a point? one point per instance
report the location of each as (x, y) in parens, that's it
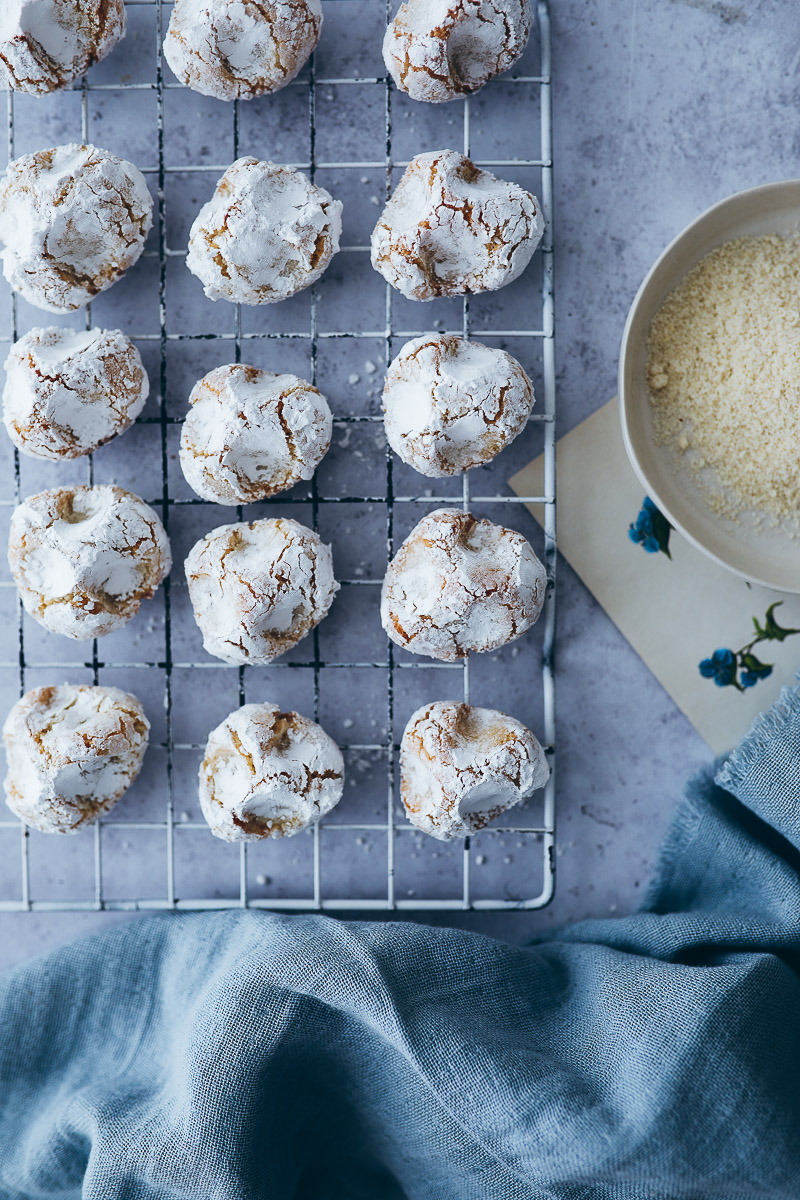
(753, 670)
(721, 667)
(750, 678)
(651, 529)
(740, 668)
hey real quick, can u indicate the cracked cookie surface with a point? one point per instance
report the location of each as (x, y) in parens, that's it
(45, 44)
(268, 773)
(461, 767)
(257, 589)
(71, 752)
(265, 234)
(451, 404)
(460, 585)
(69, 391)
(450, 229)
(249, 434)
(237, 49)
(84, 558)
(72, 220)
(439, 50)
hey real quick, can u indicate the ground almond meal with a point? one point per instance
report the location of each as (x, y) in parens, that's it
(724, 374)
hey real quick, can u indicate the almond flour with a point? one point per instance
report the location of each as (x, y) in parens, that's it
(723, 374)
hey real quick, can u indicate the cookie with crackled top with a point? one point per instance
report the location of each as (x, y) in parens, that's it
(450, 229)
(45, 44)
(267, 773)
(265, 234)
(257, 589)
(450, 404)
(461, 767)
(250, 433)
(72, 751)
(459, 585)
(85, 558)
(440, 50)
(238, 49)
(73, 219)
(70, 391)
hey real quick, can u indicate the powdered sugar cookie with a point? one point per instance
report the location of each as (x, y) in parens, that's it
(266, 233)
(461, 767)
(72, 220)
(69, 391)
(72, 751)
(258, 589)
(84, 558)
(458, 585)
(268, 773)
(451, 404)
(250, 434)
(450, 229)
(237, 49)
(45, 44)
(440, 50)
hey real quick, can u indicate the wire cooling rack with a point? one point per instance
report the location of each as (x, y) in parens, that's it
(154, 851)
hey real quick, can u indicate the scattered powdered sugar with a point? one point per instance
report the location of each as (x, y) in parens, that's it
(724, 375)
(257, 589)
(266, 233)
(72, 219)
(451, 404)
(459, 585)
(237, 49)
(71, 753)
(69, 391)
(45, 44)
(249, 434)
(460, 767)
(438, 50)
(268, 773)
(84, 558)
(451, 228)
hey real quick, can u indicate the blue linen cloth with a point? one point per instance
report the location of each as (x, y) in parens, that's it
(241, 1056)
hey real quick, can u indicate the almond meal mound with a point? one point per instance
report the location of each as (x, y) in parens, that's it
(723, 374)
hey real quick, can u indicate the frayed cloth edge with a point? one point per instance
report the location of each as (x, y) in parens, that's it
(766, 727)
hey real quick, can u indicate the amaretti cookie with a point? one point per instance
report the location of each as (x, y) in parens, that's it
(266, 233)
(450, 228)
(450, 404)
(459, 585)
(237, 49)
(267, 773)
(439, 50)
(71, 752)
(461, 767)
(72, 219)
(69, 391)
(84, 558)
(45, 44)
(257, 589)
(249, 434)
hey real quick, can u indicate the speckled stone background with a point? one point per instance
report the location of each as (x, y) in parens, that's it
(661, 108)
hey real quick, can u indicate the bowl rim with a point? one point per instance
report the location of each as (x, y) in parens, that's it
(625, 401)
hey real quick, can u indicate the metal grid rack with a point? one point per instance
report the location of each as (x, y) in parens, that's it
(539, 836)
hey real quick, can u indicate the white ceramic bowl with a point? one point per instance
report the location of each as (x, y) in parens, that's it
(770, 556)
